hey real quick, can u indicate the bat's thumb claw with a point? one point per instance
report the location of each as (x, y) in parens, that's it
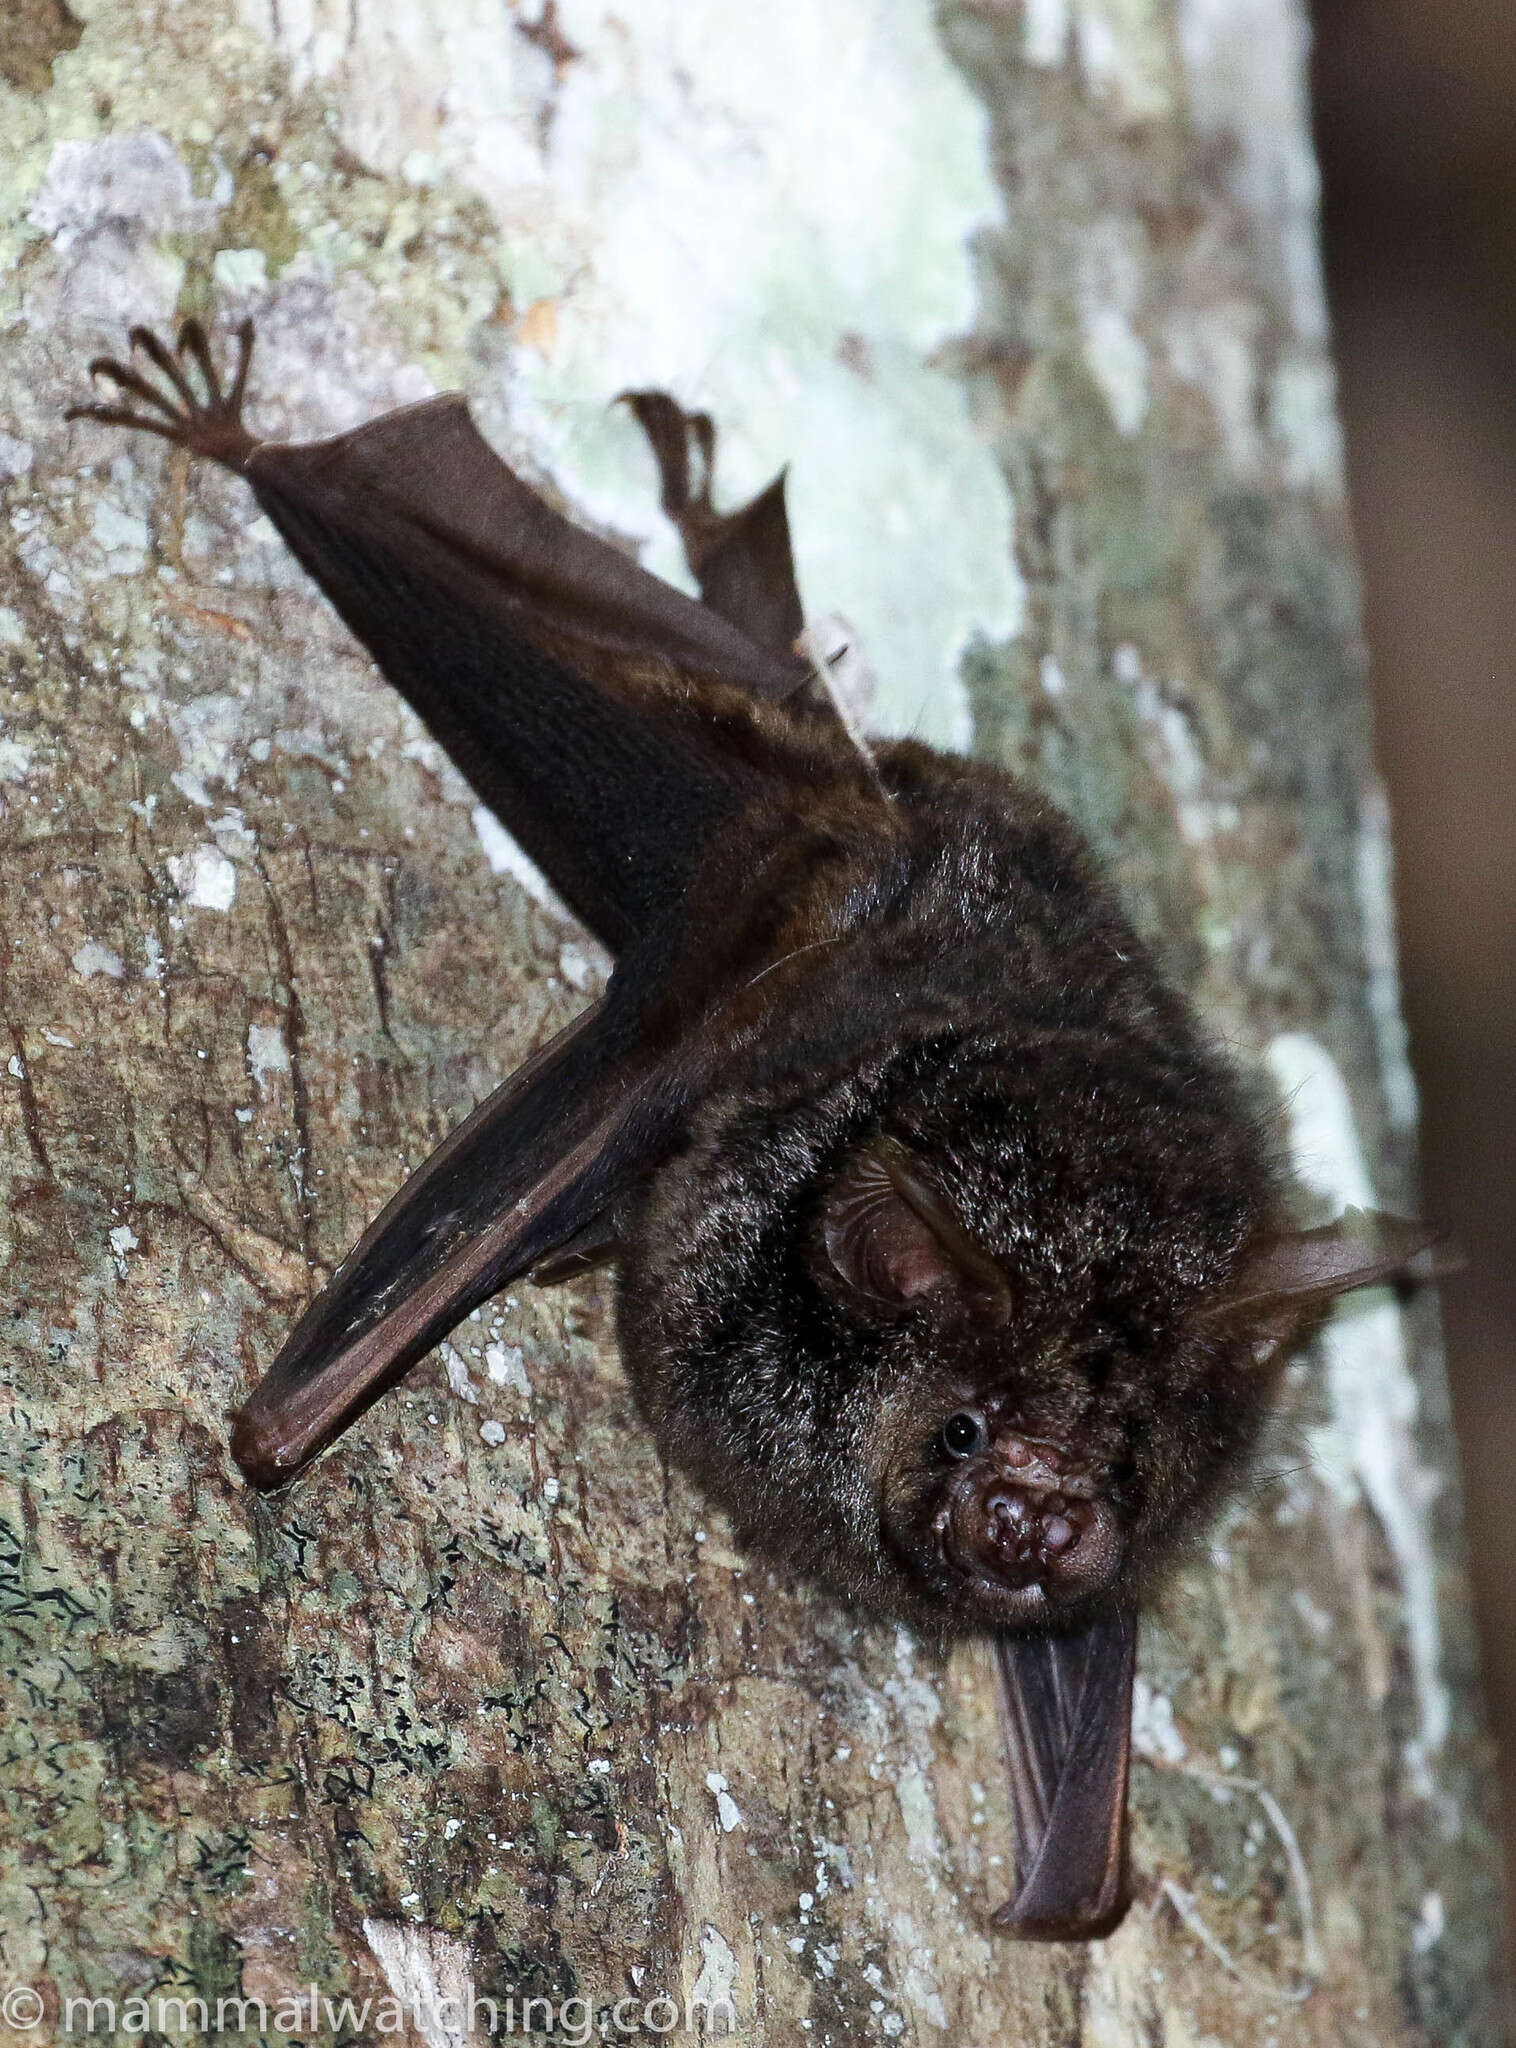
(1031, 1920)
(260, 1451)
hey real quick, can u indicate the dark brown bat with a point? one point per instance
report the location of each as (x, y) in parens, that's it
(950, 1258)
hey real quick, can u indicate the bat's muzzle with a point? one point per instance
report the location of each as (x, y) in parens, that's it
(1023, 1518)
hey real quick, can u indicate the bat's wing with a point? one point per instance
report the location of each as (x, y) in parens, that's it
(1066, 1711)
(564, 680)
(532, 1170)
(742, 560)
(596, 710)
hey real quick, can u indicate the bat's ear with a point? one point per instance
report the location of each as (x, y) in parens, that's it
(1289, 1277)
(892, 1238)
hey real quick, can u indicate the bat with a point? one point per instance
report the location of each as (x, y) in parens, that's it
(950, 1257)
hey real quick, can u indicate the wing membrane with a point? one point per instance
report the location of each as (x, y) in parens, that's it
(1066, 1712)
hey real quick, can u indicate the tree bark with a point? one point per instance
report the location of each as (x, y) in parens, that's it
(490, 1696)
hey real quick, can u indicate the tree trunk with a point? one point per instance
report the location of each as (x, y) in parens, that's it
(1029, 295)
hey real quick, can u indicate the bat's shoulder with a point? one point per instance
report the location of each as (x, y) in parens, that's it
(990, 827)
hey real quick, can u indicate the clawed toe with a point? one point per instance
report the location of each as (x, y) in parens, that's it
(123, 416)
(126, 378)
(192, 343)
(161, 357)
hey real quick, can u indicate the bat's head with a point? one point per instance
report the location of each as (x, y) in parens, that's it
(1039, 1242)
(1087, 1292)
(981, 1355)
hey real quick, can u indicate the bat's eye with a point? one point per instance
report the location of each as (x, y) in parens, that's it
(962, 1435)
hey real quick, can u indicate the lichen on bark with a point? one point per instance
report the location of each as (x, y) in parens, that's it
(491, 1694)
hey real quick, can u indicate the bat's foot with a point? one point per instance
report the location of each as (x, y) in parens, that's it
(207, 422)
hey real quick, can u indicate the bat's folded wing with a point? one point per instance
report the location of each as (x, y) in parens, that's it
(564, 681)
(1066, 1709)
(426, 481)
(528, 1171)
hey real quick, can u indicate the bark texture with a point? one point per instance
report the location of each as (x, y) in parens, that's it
(491, 1696)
